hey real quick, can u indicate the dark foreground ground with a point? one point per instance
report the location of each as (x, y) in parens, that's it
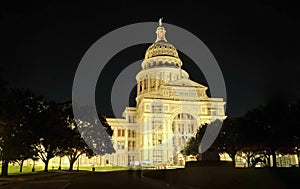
(228, 177)
(81, 180)
(188, 178)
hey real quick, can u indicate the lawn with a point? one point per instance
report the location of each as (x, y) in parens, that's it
(106, 168)
(15, 170)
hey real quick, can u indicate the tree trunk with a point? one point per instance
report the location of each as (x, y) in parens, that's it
(269, 161)
(274, 157)
(233, 159)
(248, 161)
(298, 153)
(21, 166)
(59, 168)
(4, 169)
(233, 162)
(33, 166)
(46, 165)
(72, 161)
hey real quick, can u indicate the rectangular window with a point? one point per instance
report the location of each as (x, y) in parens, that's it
(123, 133)
(166, 108)
(147, 107)
(133, 144)
(166, 93)
(121, 145)
(119, 132)
(221, 111)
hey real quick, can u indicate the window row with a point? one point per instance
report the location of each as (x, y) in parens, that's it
(130, 133)
(184, 116)
(183, 128)
(121, 144)
(131, 119)
(156, 108)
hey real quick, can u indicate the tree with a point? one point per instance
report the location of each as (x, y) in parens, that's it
(25, 152)
(49, 128)
(192, 146)
(16, 107)
(231, 137)
(76, 145)
(292, 131)
(271, 125)
(94, 129)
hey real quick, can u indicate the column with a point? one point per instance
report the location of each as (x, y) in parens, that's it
(143, 85)
(138, 88)
(149, 83)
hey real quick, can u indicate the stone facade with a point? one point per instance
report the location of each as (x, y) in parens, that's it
(169, 109)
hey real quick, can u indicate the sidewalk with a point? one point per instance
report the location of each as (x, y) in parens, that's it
(28, 177)
(158, 183)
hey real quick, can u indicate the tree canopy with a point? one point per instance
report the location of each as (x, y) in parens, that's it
(267, 130)
(31, 127)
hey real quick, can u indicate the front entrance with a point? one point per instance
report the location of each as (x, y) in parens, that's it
(184, 126)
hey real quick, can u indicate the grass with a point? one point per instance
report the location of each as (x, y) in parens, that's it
(107, 168)
(15, 170)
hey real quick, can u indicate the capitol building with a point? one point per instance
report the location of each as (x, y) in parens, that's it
(169, 109)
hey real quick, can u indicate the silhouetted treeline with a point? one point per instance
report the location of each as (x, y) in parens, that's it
(265, 131)
(33, 128)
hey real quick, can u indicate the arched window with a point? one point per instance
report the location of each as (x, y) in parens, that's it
(183, 128)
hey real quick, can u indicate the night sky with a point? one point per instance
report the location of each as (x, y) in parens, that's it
(255, 44)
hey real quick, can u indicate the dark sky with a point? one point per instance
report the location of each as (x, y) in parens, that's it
(256, 45)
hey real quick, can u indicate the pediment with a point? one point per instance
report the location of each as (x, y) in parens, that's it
(185, 82)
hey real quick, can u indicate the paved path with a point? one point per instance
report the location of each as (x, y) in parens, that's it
(18, 181)
(111, 180)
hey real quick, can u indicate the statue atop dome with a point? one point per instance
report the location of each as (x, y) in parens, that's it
(160, 32)
(161, 53)
(160, 21)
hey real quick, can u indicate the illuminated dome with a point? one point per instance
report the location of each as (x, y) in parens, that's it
(161, 53)
(161, 48)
